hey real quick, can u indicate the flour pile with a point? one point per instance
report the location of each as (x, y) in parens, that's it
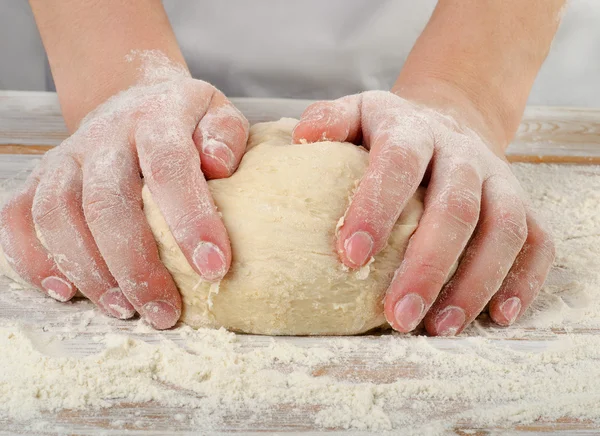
(61, 364)
(216, 377)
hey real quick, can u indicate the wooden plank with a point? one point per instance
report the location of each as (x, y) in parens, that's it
(546, 134)
(30, 118)
(8, 149)
(557, 135)
(24, 149)
(548, 159)
(361, 362)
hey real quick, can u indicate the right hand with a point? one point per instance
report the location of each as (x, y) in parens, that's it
(84, 200)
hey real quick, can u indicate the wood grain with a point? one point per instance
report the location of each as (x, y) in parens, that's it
(24, 149)
(30, 122)
(362, 363)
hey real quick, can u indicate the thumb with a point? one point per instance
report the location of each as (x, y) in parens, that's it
(337, 120)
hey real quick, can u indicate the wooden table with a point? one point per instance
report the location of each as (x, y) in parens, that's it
(30, 124)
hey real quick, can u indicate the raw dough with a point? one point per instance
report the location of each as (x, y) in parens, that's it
(281, 208)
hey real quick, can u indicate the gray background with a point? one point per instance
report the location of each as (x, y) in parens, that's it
(312, 48)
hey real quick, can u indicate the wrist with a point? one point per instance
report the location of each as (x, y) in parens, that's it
(478, 61)
(87, 42)
(138, 68)
(494, 124)
(75, 105)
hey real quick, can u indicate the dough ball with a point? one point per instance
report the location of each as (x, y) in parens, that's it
(281, 209)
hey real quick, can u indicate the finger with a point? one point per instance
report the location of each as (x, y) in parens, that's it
(337, 120)
(448, 221)
(24, 252)
(58, 216)
(221, 137)
(525, 278)
(498, 239)
(113, 209)
(397, 163)
(171, 167)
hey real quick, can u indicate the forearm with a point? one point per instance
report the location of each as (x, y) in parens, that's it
(486, 53)
(87, 42)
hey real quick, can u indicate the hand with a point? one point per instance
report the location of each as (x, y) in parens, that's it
(473, 204)
(84, 199)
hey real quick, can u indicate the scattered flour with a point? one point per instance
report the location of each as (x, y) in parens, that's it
(59, 357)
(427, 385)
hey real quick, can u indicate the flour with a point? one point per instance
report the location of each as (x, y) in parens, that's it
(568, 199)
(210, 373)
(211, 379)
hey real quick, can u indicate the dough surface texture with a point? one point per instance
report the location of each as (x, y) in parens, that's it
(281, 209)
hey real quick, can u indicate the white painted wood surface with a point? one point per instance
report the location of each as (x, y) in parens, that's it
(548, 134)
(31, 122)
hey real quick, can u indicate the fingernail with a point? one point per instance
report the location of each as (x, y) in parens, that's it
(58, 288)
(210, 261)
(115, 303)
(358, 248)
(511, 309)
(449, 321)
(409, 311)
(160, 314)
(219, 151)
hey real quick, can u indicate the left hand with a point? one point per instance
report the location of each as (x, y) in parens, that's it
(473, 204)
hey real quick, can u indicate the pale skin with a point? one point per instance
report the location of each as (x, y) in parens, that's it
(448, 118)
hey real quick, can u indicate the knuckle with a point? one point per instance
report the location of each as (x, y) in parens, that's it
(97, 129)
(186, 222)
(165, 164)
(50, 207)
(376, 217)
(405, 164)
(432, 273)
(47, 210)
(225, 124)
(532, 282)
(469, 173)
(100, 202)
(193, 218)
(511, 221)
(420, 124)
(542, 240)
(524, 282)
(423, 135)
(197, 85)
(234, 123)
(461, 205)
(55, 153)
(58, 194)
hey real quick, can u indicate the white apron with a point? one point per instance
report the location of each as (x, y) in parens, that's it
(313, 48)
